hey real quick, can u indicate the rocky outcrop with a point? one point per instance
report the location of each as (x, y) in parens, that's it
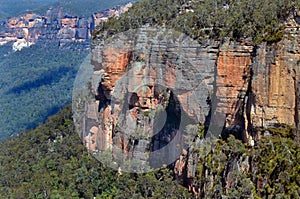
(232, 82)
(276, 80)
(261, 83)
(55, 24)
(258, 87)
(230, 87)
(148, 91)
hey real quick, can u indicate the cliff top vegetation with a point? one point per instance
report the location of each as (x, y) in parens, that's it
(238, 19)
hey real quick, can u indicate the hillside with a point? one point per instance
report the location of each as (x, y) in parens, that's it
(78, 8)
(36, 82)
(73, 7)
(168, 72)
(235, 65)
(51, 162)
(15, 7)
(256, 20)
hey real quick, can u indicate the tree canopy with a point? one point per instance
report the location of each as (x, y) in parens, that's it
(237, 19)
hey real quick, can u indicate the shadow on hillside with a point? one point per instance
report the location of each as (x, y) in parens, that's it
(47, 78)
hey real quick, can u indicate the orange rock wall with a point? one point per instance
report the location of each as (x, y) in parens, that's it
(54, 24)
(233, 73)
(276, 82)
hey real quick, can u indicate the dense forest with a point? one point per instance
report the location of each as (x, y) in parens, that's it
(237, 19)
(78, 8)
(36, 82)
(51, 162)
(14, 8)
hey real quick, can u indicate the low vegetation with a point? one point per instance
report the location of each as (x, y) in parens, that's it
(231, 168)
(239, 19)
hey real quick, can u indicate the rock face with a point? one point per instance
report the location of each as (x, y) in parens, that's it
(276, 81)
(261, 83)
(230, 87)
(148, 89)
(257, 86)
(55, 24)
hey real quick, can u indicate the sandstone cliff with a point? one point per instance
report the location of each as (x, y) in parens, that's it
(258, 88)
(230, 87)
(253, 86)
(25, 30)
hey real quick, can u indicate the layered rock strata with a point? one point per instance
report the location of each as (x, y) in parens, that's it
(55, 24)
(149, 88)
(230, 87)
(266, 90)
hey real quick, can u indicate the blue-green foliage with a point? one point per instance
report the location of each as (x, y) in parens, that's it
(82, 8)
(87, 7)
(51, 162)
(35, 83)
(15, 7)
(256, 19)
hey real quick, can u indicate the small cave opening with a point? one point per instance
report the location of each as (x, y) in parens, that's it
(172, 123)
(297, 19)
(133, 101)
(100, 96)
(173, 137)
